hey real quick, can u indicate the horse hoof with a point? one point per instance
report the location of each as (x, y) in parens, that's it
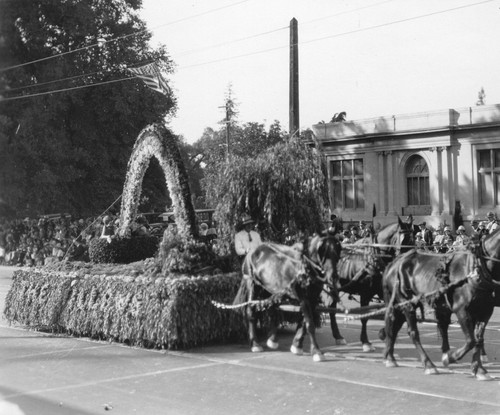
(367, 348)
(340, 342)
(431, 371)
(483, 377)
(445, 360)
(257, 349)
(484, 359)
(296, 351)
(272, 345)
(381, 334)
(390, 363)
(319, 357)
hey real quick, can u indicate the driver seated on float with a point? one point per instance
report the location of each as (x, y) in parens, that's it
(247, 238)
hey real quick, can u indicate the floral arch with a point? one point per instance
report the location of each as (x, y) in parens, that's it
(157, 141)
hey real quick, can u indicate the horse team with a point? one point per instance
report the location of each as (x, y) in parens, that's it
(383, 265)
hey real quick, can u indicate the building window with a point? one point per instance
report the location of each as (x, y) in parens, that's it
(489, 177)
(347, 185)
(417, 182)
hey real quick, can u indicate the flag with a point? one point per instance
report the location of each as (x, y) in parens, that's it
(374, 211)
(152, 77)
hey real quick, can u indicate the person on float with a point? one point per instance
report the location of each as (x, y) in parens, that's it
(108, 229)
(247, 239)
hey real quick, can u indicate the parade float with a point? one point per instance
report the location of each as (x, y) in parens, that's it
(163, 301)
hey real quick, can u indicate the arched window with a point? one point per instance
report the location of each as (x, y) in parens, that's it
(417, 181)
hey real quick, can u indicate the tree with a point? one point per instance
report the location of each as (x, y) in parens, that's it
(283, 188)
(68, 151)
(481, 95)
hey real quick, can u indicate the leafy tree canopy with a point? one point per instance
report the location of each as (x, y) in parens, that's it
(68, 151)
(283, 188)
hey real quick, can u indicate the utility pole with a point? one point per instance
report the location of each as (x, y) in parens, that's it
(294, 124)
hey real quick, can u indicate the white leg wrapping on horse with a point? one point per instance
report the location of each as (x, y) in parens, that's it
(257, 349)
(296, 351)
(272, 344)
(445, 360)
(431, 371)
(319, 357)
(367, 348)
(484, 358)
(390, 363)
(483, 377)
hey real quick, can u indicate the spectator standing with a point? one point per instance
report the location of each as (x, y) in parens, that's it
(364, 229)
(462, 238)
(426, 234)
(419, 241)
(355, 236)
(246, 239)
(492, 223)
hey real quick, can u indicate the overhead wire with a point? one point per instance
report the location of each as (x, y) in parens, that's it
(65, 89)
(205, 48)
(339, 34)
(277, 47)
(104, 41)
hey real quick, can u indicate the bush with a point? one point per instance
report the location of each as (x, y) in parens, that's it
(122, 250)
(172, 313)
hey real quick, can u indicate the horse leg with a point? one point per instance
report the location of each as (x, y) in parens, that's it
(298, 339)
(272, 340)
(330, 302)
(252, 331)
(443, 317)
(411, 320)
(394, 320)
(477, 367)
(467, 325)
(367, 346)
(339, 339)
(307, 312)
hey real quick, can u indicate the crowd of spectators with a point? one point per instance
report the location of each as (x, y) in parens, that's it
(440, 240)
(36, 242)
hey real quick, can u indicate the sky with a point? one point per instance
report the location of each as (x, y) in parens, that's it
(369, 58)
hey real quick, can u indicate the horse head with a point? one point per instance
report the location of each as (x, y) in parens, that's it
(325, 252)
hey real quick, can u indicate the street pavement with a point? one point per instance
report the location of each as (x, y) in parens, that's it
(46, 374)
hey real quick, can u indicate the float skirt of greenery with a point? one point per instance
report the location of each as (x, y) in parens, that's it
(163, 312)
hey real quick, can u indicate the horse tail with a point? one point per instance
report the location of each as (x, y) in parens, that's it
(243, 294)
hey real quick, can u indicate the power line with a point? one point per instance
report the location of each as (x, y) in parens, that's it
(339, 34)
(188, 52)
(53, 81)
(65, 89)
(272, 49)
(100, 43)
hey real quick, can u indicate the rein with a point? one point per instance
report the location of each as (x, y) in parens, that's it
(317, 267)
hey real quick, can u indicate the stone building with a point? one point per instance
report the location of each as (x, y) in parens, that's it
(437, 166)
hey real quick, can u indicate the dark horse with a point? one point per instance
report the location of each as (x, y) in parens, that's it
(277, 273)
(461, 282)
(361, 267)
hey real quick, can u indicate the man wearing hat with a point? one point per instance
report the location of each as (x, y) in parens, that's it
(246, 239)
(492, 224)
(426, 234)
